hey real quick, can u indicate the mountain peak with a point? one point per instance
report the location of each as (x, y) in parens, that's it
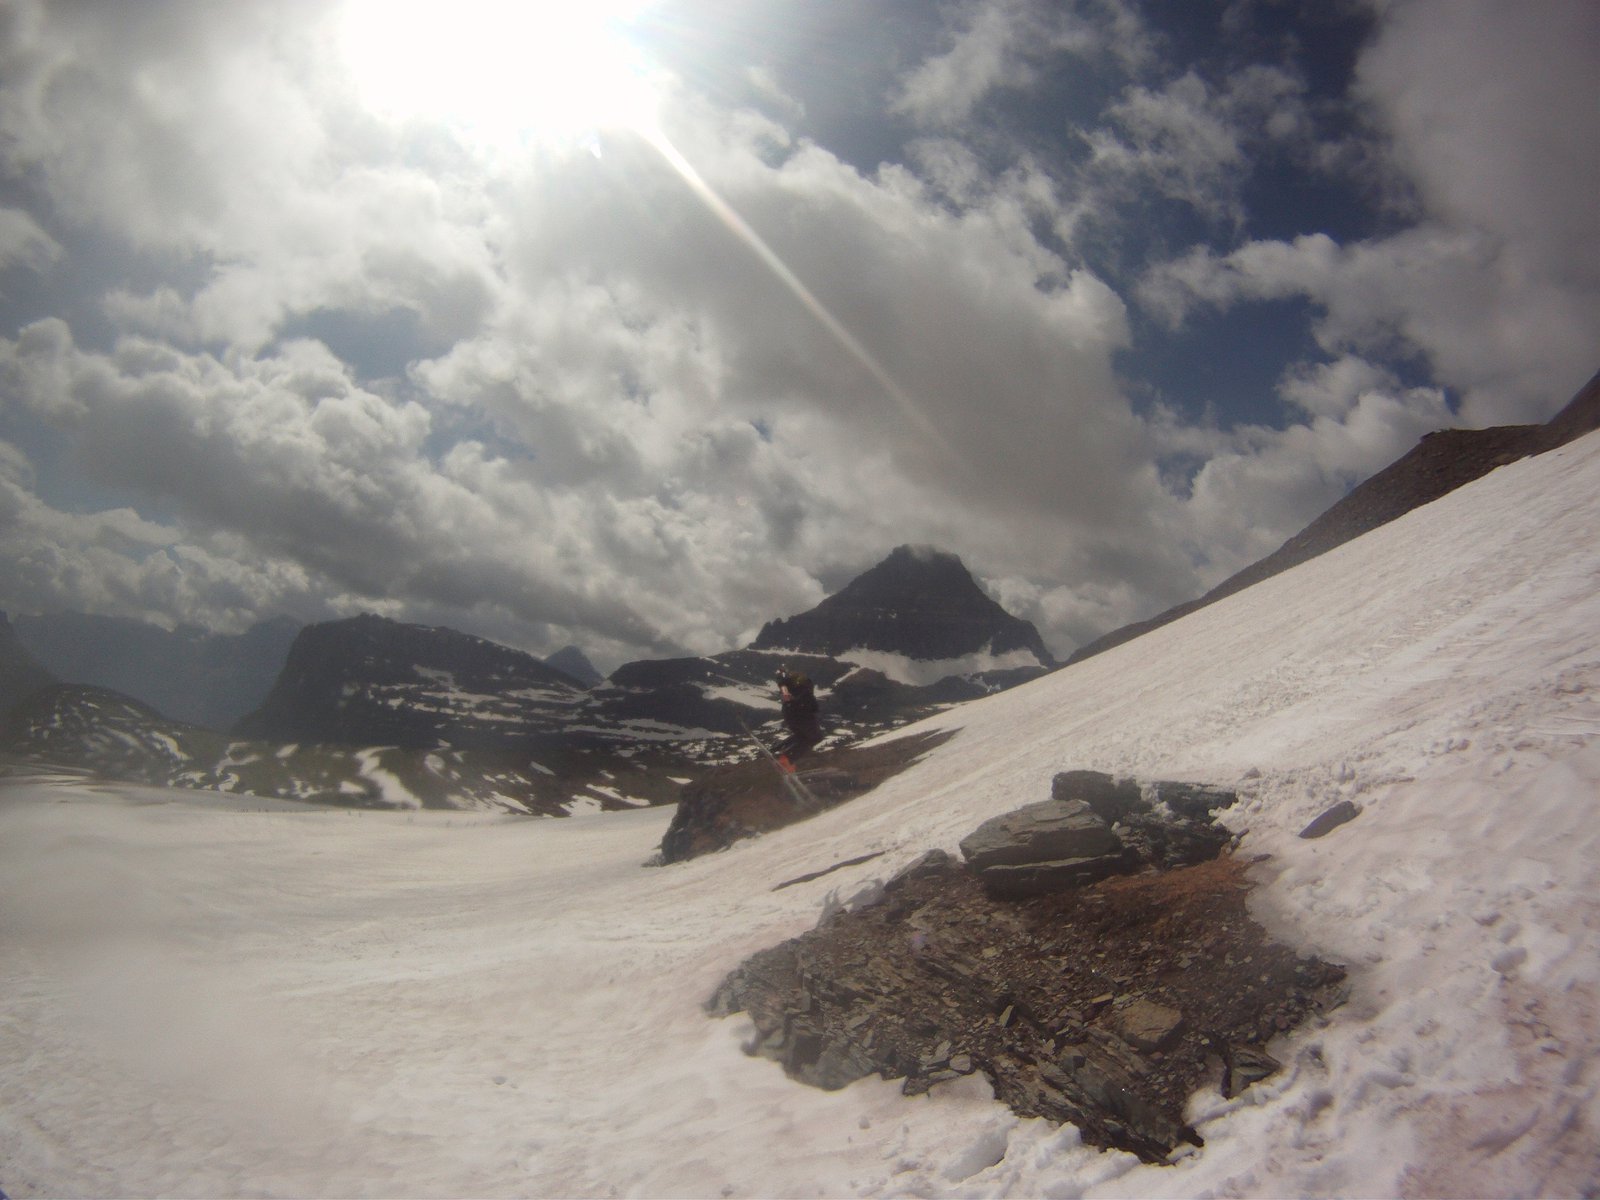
(372, 680)
(574, 662)
(920, 602)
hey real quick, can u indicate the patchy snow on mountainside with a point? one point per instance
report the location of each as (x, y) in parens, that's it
(215, 996)
(919, 672)
(747, 694)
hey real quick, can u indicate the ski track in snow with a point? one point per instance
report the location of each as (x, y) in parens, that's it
(213, 995)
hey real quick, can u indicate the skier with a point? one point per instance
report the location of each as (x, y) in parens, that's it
(799, 714)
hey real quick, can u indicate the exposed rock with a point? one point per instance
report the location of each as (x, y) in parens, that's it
(1195, 801)
(371, 681)
(932, 863)
(574, 663)
(1242, 1065)
(743, 800)
(1069, 840)
(1085, 1005)
(1330, 819)
(1111, 799)
(1035, 833)
(940, 978)
(1057, 875)
(1043, 848)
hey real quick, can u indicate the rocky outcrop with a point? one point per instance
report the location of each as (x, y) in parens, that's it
(104, 731)
(743, 800)
(1042, 848)
(1095, 825)
(1105, 1005)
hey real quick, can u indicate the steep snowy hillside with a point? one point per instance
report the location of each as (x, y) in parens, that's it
(209, 1000)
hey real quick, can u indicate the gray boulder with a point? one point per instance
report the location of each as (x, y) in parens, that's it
(1048, 831)
(1111, 799)
(1330, 819)
(1043, 848)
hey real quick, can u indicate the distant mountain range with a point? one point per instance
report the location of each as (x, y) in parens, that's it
(371, 681)
(372, 711)
(366, 708)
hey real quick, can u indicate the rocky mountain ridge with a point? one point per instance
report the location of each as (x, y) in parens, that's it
(112, 736)
(1441, 462)
(369, 680)
(365, 689)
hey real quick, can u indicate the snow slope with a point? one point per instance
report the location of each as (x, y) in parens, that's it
(206, 996)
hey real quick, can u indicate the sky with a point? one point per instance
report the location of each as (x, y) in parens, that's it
(637, 327)
(210, 995)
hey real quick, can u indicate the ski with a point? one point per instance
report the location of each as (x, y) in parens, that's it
(798, 791)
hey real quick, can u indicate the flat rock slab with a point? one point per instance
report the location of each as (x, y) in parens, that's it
(1051, 831)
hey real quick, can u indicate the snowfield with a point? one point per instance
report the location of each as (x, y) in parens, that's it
(216, 996)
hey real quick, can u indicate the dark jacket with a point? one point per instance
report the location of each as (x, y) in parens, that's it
(799, 698)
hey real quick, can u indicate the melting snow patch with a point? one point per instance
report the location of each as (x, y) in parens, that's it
(920, 672)
(390, 789)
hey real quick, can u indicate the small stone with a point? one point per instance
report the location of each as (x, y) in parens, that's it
(1146, 1025)
(1330, 819)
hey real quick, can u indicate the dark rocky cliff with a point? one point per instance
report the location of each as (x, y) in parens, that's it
(369, 681)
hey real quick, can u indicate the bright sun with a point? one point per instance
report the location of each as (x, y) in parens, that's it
(504, 71)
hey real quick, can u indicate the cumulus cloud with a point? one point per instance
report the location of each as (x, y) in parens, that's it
(23, 243)
(1189, 140)
(1493, 285)
(1006, 46)
(647, 408)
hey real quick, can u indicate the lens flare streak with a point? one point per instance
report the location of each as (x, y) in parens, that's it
(758, 245)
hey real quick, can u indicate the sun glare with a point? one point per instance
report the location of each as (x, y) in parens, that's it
(502, 71)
